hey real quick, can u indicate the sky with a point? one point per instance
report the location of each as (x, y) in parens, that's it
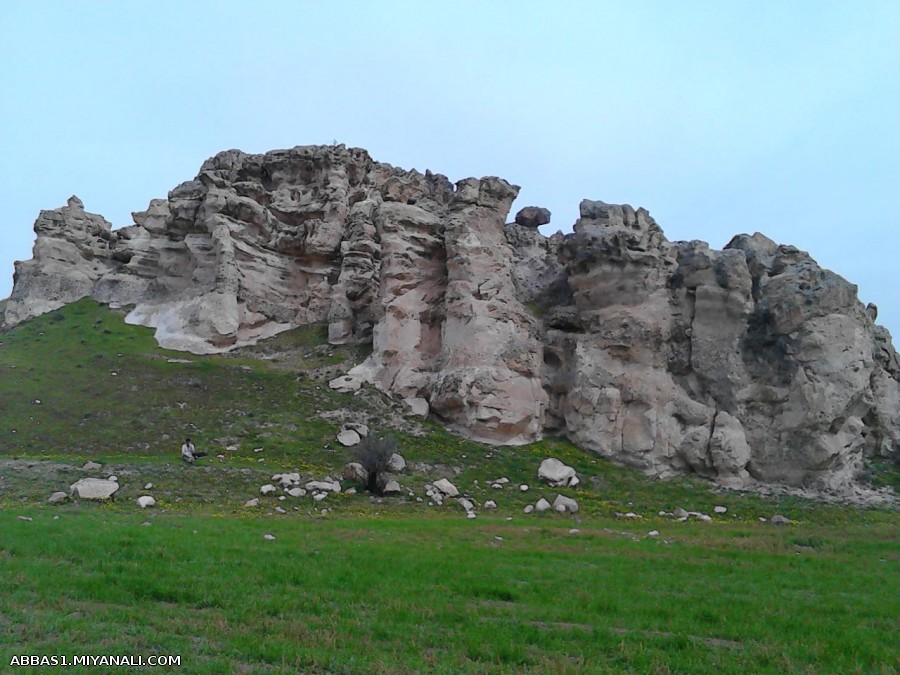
(718, 117)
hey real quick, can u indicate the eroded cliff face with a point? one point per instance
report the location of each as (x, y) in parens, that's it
(751, 362)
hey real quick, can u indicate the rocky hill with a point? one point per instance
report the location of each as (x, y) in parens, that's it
(747, 363)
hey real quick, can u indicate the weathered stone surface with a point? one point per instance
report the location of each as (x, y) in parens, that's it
(348, 438)
(396, 463)
(742, 365)
(557, 474)
(94, 488)
(533, 216)
(446, 488)
(355, 472)
(146, 501)
(57, 497)
(565, 504)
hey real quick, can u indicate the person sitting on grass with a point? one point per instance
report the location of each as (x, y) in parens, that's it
(189, 453)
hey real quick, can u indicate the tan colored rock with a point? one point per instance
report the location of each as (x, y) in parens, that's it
(748, 362)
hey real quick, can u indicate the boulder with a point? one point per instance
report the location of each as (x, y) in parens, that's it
(94, 488)
(391, 487)
(565, 504)
(533, 217)
(146, 501)
(396, 463)
(416, 406)
(555, 473)
(348, 438)
(327, 485)
(542, 505)
(446, 488)
(355, 472)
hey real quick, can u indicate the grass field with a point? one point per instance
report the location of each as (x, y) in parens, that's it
(361, 585)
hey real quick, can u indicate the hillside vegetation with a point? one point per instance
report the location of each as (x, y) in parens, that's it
(357, 584)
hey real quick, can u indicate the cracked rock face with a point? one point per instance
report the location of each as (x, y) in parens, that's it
(751, 362)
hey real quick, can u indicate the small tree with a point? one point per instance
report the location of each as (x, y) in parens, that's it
(374, 453)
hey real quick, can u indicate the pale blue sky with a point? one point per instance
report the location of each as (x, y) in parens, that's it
(718, 117)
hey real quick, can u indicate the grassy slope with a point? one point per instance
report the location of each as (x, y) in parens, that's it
(396, 585)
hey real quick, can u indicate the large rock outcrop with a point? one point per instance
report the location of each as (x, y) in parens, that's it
(751, 362)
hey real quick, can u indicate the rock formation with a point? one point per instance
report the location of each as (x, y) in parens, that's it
(751, 362)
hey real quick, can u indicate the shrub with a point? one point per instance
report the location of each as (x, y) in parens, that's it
(374, 453)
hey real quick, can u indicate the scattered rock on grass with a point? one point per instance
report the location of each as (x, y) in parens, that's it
(57, 497)
(780, 520)
(267, 489)
(269, 537)
(542, 505)
(252, 502)
(392, 487)
(94, 488)
(557, 474)
(564, 504)
(396, 464)
(720, 509)
(355, 472)
(348, 438)
(91, 466)
(146, 501)
(446, 487)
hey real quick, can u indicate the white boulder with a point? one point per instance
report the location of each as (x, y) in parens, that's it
(557, 474)
(146, 501)
(94, 488)
(348, 438)
(446, 488)
(267, 489)
(564, 504)
(542, 505)
(396, 464)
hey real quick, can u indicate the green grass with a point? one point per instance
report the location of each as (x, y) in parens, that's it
(394, 585)
(402, 594)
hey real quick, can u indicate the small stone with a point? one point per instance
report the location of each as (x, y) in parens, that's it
(220, 456)
(705, 518)
(252, 502)
(780, 520)
(269, 537)
(563, 504)
(57, 497)
(91, 466)
(490, 504)
(679, 513)
(148, 486)
(632, 515)
(319, 496)
(267, 489)
(280, 510)
(720, 509)
(528, 509)
(574, 530)
(26, 518)
(523, 488)
(146, 501)
(297, 492)
(653, 533)
(542, 505)
(763, 520)
(471, 515)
